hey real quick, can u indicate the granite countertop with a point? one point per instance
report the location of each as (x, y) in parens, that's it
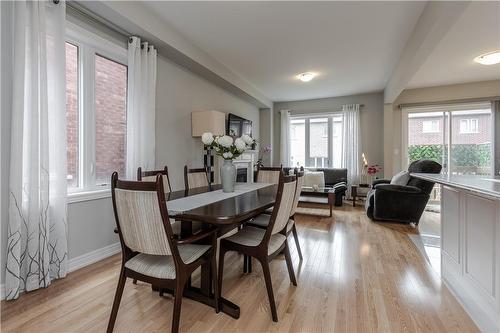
(489, 185)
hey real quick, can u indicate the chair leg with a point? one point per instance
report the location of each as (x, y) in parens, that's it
(289, 264)
(215, 281)
(296, 237)
(135, 281)
(245, 265)
(179, 291)
(222, 253)
(249, 263)
(269, 287)
(116, 302)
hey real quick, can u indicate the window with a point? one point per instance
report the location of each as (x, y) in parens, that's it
(469, 126)
(316, 141)
(96, 109)
(430, 126)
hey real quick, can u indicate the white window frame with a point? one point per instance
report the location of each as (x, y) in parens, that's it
(307, 118)
(433, 129)
(89, 44)
(468, 126)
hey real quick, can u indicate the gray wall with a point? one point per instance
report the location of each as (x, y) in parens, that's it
(178, 93)
(371, 120)
(265, 137)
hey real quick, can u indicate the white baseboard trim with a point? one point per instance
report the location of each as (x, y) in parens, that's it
(93, 256)
(83, 260)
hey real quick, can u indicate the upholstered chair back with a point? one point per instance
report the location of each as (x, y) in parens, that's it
(150, 176)
(140, 221)
(268, 175)
(282, 214)
(423, 166)
(298, 188)
(195, 178)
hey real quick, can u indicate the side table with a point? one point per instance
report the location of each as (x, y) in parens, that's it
(358, 191)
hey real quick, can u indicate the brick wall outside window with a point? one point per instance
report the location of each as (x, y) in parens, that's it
(111, 118)
(72, 113)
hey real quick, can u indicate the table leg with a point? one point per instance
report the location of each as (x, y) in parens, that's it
(331, 200)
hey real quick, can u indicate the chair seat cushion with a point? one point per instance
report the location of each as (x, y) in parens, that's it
(163, 267)
(262, 221)
(251, 236)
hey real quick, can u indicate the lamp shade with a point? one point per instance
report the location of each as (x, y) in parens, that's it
(208, 121)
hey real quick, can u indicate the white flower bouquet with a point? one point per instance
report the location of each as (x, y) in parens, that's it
(225, 146)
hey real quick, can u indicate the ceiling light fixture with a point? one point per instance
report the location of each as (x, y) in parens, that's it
(306, 77)
(490, 58)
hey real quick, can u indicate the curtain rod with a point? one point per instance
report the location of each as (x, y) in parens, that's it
(452, 101)
(90, 15)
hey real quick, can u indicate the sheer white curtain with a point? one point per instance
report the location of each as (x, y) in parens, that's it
(37, 229)
(141, 106)
(285, 138)
(352, 144)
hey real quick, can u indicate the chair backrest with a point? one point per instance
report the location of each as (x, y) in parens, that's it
(142, 222)
(425, 166)
(150, 176)
(283, 204)
(298, 188)
(195, 177)
(269, 174)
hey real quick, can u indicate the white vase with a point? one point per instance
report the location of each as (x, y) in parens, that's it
(228, 176)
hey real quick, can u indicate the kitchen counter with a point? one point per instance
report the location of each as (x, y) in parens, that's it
(470, 243)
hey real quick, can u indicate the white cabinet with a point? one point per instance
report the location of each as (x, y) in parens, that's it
(470, 256)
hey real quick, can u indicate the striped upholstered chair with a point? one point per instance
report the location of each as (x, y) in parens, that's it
(265, 244)
(150, 251)
(195, 177)
(268, 174)
(150, 176)
(262, 221)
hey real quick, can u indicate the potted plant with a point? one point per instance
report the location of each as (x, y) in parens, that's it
(228, 148)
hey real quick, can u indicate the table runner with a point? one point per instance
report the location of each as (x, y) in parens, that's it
(185, 204)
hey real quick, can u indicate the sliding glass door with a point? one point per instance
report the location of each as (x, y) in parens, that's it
(316, 141)
(460, 137)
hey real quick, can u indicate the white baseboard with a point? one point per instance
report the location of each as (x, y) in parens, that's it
(92, 257)
(83, 260)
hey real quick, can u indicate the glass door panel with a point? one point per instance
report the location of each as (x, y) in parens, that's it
(471, 142)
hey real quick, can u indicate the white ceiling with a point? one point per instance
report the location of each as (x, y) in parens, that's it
(353, 46)
(476, 32)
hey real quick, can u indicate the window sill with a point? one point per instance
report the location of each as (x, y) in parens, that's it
(89, 195)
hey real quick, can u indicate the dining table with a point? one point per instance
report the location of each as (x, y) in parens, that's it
(209, 206)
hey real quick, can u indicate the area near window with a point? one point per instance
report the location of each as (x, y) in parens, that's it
(316, 141)
(96, 109)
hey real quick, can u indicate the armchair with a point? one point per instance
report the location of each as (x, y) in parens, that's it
(402, 203)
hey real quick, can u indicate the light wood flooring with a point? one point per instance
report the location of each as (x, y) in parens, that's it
(356, 276)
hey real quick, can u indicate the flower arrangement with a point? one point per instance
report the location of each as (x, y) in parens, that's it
(226, 146)
(374, 170)
(267, 149)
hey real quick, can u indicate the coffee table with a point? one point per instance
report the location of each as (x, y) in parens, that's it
(325, 192)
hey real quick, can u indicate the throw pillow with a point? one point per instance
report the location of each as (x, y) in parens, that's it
(401, 178)
(312, 178)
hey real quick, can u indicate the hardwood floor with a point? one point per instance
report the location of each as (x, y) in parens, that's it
(356, 276)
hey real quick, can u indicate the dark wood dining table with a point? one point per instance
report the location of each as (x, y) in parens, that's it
(225, 214)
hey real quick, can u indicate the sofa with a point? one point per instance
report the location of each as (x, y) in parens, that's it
(402, 203)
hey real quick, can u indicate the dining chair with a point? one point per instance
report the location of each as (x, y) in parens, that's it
(195, 177)
(262, 220)
(150, 251)
(265, 244)
(268, 174)
(150, 176)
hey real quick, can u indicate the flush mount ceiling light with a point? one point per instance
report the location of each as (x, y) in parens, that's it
(306, 77)
(490, 58)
